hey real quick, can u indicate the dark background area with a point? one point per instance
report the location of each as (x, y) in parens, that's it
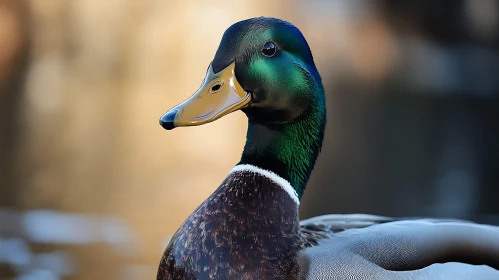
(419, 141)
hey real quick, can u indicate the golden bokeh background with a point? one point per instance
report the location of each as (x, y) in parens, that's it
(92, 187)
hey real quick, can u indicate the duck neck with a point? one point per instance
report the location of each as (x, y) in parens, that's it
(287, 149)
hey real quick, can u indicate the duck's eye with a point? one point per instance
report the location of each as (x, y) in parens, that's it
(268, 49)
(216, 87)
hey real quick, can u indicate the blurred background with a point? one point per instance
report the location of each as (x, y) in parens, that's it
(91, 187)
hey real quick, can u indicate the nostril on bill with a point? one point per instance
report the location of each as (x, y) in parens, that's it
(216, 87)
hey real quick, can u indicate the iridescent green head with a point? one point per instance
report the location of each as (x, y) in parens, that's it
(274, 63)
(264, 67)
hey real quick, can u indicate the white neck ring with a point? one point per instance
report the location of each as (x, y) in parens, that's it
(278, 180)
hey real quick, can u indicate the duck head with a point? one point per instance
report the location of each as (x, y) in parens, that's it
(265, 68)
(262, 66)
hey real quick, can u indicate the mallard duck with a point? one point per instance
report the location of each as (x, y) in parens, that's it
(249, 227)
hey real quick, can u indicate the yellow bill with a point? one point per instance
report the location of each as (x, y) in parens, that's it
(219, 95)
